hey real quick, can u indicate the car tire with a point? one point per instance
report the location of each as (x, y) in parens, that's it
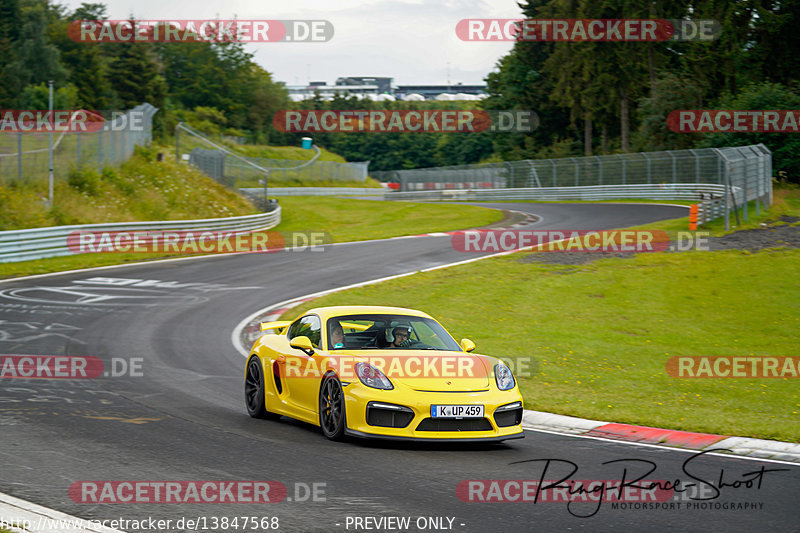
(254, 391)
(332, 415)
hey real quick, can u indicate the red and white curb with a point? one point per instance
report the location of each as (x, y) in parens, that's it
(567, 425)
(687, 440)
(20, 516)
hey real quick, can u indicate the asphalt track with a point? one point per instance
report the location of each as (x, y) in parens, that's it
(184, 419)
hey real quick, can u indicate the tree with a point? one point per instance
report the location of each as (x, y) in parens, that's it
(36, 60)
(785, 147)
(671, 92)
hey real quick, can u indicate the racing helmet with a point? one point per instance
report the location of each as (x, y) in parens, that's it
(390, 331)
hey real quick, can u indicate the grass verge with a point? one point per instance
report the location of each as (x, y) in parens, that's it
(344, 219)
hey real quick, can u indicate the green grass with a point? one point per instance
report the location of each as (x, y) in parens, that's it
(141, 189)
(285, 152)
(344, 220)
(601, 333)
(356, 220)
(298, 182)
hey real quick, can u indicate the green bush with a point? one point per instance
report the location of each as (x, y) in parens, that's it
(85, 180)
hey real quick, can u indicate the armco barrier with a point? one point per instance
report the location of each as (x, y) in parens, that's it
(668, 191)
(39, 243)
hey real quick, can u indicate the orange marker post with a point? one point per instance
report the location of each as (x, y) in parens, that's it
(693, 217)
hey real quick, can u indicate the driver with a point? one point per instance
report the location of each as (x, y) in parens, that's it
(399, 337)
(337, 336)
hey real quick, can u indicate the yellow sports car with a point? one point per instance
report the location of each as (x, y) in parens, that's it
(380, 372)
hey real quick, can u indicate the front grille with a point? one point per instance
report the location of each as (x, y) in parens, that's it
(455, 424)
(508, 417)
(390, 416)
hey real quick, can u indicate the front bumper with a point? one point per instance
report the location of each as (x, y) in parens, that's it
(359, 396)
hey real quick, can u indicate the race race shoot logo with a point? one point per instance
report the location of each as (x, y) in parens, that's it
(583, 30)
(67, 367)
(257, 492)
(43, 121)
(195, 31)
(195, 242)
(733, 367)
(560, 241)
(405, 120)
(734, 120)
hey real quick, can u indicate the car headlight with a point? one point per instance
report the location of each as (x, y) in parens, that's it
(504, 377)
(372, 377)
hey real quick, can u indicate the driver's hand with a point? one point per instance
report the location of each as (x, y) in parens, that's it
(406, 343)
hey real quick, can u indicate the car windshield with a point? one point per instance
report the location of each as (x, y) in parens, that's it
(378, 332)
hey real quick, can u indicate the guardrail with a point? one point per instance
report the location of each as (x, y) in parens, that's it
(40, 243)
(668, 191)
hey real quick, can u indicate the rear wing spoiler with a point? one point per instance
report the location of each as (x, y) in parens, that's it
(277, 326)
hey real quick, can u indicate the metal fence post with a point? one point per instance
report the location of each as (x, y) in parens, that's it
(674, 167)
(111, 142)
(79, 148)
(599, 170)
(727, 177)
(649, 172)
(577, 171)
(19, 156)
(555, 172)
(100, 149)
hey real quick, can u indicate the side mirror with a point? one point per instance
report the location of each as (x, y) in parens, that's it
(467, 345)
(302, 343)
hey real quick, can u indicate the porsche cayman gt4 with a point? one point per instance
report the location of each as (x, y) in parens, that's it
(380, 372)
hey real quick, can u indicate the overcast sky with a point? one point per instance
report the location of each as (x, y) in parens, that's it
(410, 40)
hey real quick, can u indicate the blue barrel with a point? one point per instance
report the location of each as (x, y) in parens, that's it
(306, 144)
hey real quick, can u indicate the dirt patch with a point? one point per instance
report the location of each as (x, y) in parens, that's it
(757, 239)
(775, 236)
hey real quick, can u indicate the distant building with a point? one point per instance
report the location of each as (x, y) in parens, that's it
(383, 88)
(430, 92)
(384, 84)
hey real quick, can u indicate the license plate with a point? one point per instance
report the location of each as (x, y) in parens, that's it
(456, 411)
